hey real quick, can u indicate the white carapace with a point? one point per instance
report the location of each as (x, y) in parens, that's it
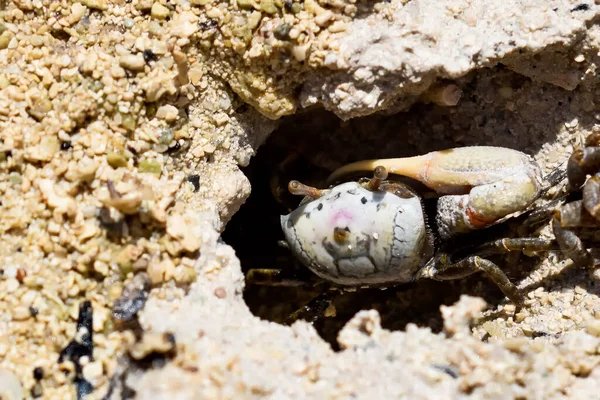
(353, 236)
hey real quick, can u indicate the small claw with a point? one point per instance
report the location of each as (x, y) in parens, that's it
(591, 196)
(379, 175)
(575, 172)
(581, 163)
(300, 189)
(575, 215)
(452, 171)
(570, 243)
(593, 140)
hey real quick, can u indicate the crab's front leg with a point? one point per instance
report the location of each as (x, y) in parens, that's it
(480, 184)
(578, 214)
(584, 161)
(565, 218)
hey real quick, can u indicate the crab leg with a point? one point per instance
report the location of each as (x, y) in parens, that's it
(583, 213)
(582, 162)
(441, 269)
(573, 215)
(277, 277)
(536, 219)
(507, 245)
(313, 310)
(570, 243)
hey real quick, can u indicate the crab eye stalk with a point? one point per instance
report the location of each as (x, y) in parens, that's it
(300, 189)
(379, 175)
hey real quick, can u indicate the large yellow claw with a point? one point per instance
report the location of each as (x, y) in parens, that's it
(485, 183)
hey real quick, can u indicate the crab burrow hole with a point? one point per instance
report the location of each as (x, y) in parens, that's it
(308, 146)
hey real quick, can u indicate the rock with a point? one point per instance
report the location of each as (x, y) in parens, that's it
(5, 39)
(10, 386)
(78, 10)
(56, 198)
(132, 62)
(184, 24)
(96, 4)
(182, 229)
(167, 112)
(159, 11)
(400, 53)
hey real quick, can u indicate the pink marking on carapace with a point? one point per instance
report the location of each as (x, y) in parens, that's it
(342, 215)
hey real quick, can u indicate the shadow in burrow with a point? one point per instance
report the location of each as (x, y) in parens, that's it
(498, 107)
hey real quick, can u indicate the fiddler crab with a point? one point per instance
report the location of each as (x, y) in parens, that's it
(375, 233)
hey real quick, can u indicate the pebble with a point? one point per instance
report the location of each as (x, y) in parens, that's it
(132, 62)
(593, 328)
(220, 292)
(254, 19)
(10, 386)
(268, 6)
(338, 26)
(11, 285)
(323, 18)
(96, 4)
(20, 313)
(93, 372)
(299, 52)
(167, 112)
(220, 118)
(195, 75)
(77, 12)
(214, 13)
(159, 11)
(5, 39)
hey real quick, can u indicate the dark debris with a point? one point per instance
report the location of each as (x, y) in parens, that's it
(208, 24)
(281, 32)
(195, 181)
(133, 298)
(81, 345)
(581, 7)
(161, 350)
(149, 56)
(38, 373)
(448, 369)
